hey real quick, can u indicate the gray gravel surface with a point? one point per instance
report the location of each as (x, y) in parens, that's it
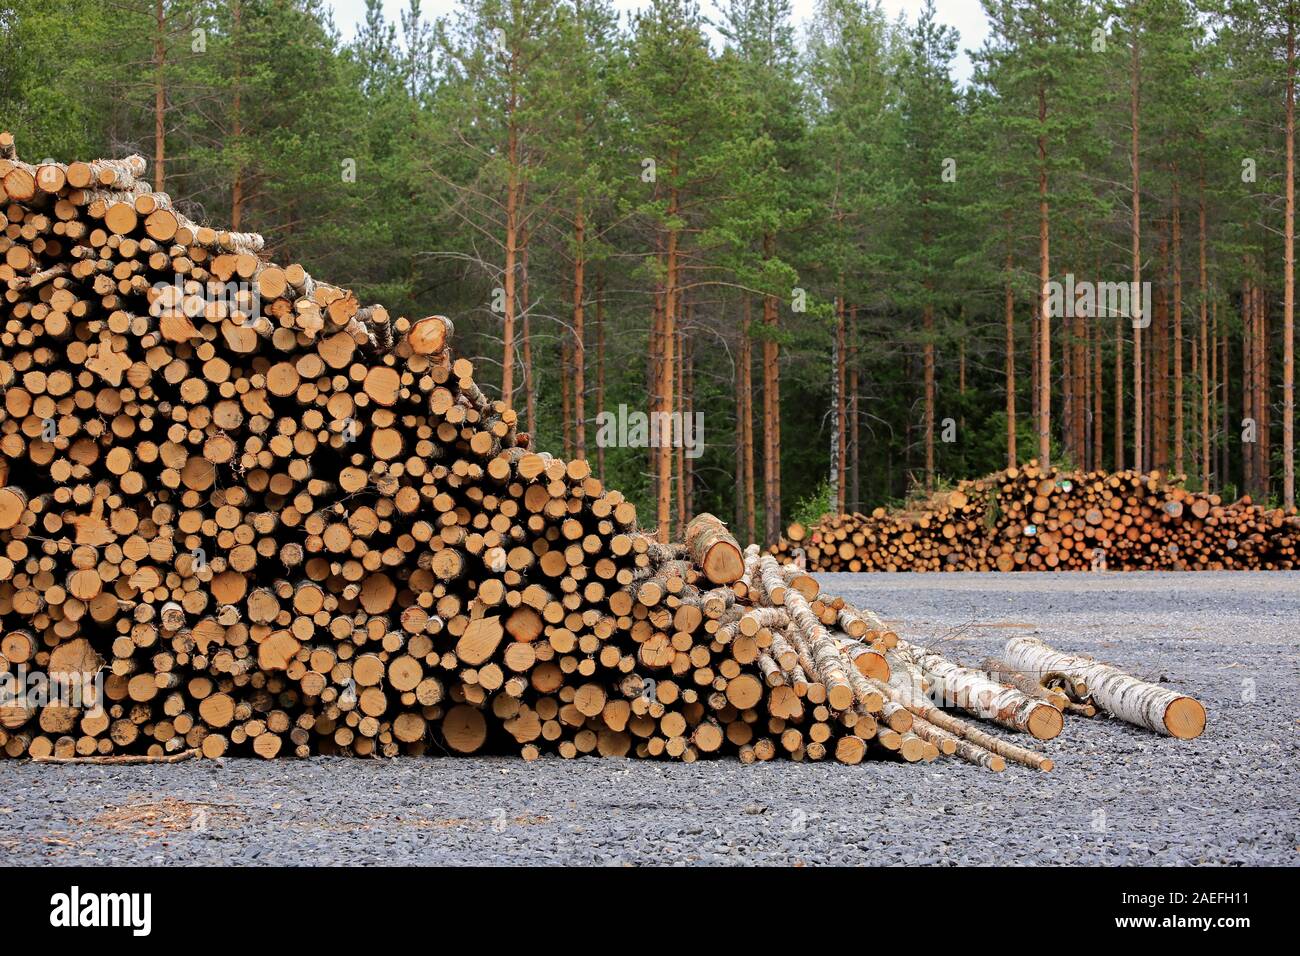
(1119, 795)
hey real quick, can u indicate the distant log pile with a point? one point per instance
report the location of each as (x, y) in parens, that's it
(1031, 519)
(242, 514)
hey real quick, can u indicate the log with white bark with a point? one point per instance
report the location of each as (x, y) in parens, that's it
(714, 549)
(971, 690)
(1004, 673)
(901, 690)
(1117, 693)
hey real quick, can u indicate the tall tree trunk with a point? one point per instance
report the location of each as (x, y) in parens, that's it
(1118, 426)
(928, 358)
(738, 473)
(1066, 423)
(600, 367)
(747, 389)
(1085, 391)
(1216, 437)
(512, 252)
(1222, 383)
(566, 394)
(1176, 330)
(1261, 391)
(668, 343)
(836, 437)
(1158, 442)
(841, 407)
(237, 119)
(1139, 424)
(1079, 418)
(579, 334)
(771, 411)
(654, 370)
(1044, 315)
(680, 450)
(1098, 423)
(526, 344)
(1193, 438)
(1262, 470)
(655, 375)
(1204, 372)
(1288, 277)
(1035, 392)
(159, 98)
(1249, 416)
(961, 380)
(688, 413)
(854, 425)
(1009, 370)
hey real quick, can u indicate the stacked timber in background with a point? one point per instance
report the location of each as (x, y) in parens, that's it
(1031, 519)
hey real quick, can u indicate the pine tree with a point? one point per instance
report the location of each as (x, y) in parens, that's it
(923, 143)
(667, 93)
(499, 61)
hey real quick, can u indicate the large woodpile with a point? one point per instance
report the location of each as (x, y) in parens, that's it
(1034, 519)
(244, 514)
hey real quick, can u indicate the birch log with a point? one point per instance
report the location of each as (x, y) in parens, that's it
(1004, 673)
(972, 691)
(714, 549)
(1121, 695)
(902, 690)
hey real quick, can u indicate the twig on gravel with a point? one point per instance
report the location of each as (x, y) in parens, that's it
(122, 758)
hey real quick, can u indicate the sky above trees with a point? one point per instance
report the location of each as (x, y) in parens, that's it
(965, 16)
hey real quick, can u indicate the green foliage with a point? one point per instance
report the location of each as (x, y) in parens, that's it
(813, 506)
(807, 162)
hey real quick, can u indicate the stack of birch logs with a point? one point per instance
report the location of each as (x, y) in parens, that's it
(1034, 519)
(240, 513)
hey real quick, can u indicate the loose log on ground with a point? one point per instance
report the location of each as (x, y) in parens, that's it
(972, 691)
(1117, 693)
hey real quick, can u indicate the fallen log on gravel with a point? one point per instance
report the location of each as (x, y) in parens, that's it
(970, 744)
(972, 690)
(123, 758)
(1004, 673)
(1118, 694)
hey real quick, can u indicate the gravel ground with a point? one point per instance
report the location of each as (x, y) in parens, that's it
(1118, 795)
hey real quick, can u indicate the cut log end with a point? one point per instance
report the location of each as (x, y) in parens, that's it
(430, 336)
(464, 728)
(1185, 718)
(1046, 722)
(715, 550)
